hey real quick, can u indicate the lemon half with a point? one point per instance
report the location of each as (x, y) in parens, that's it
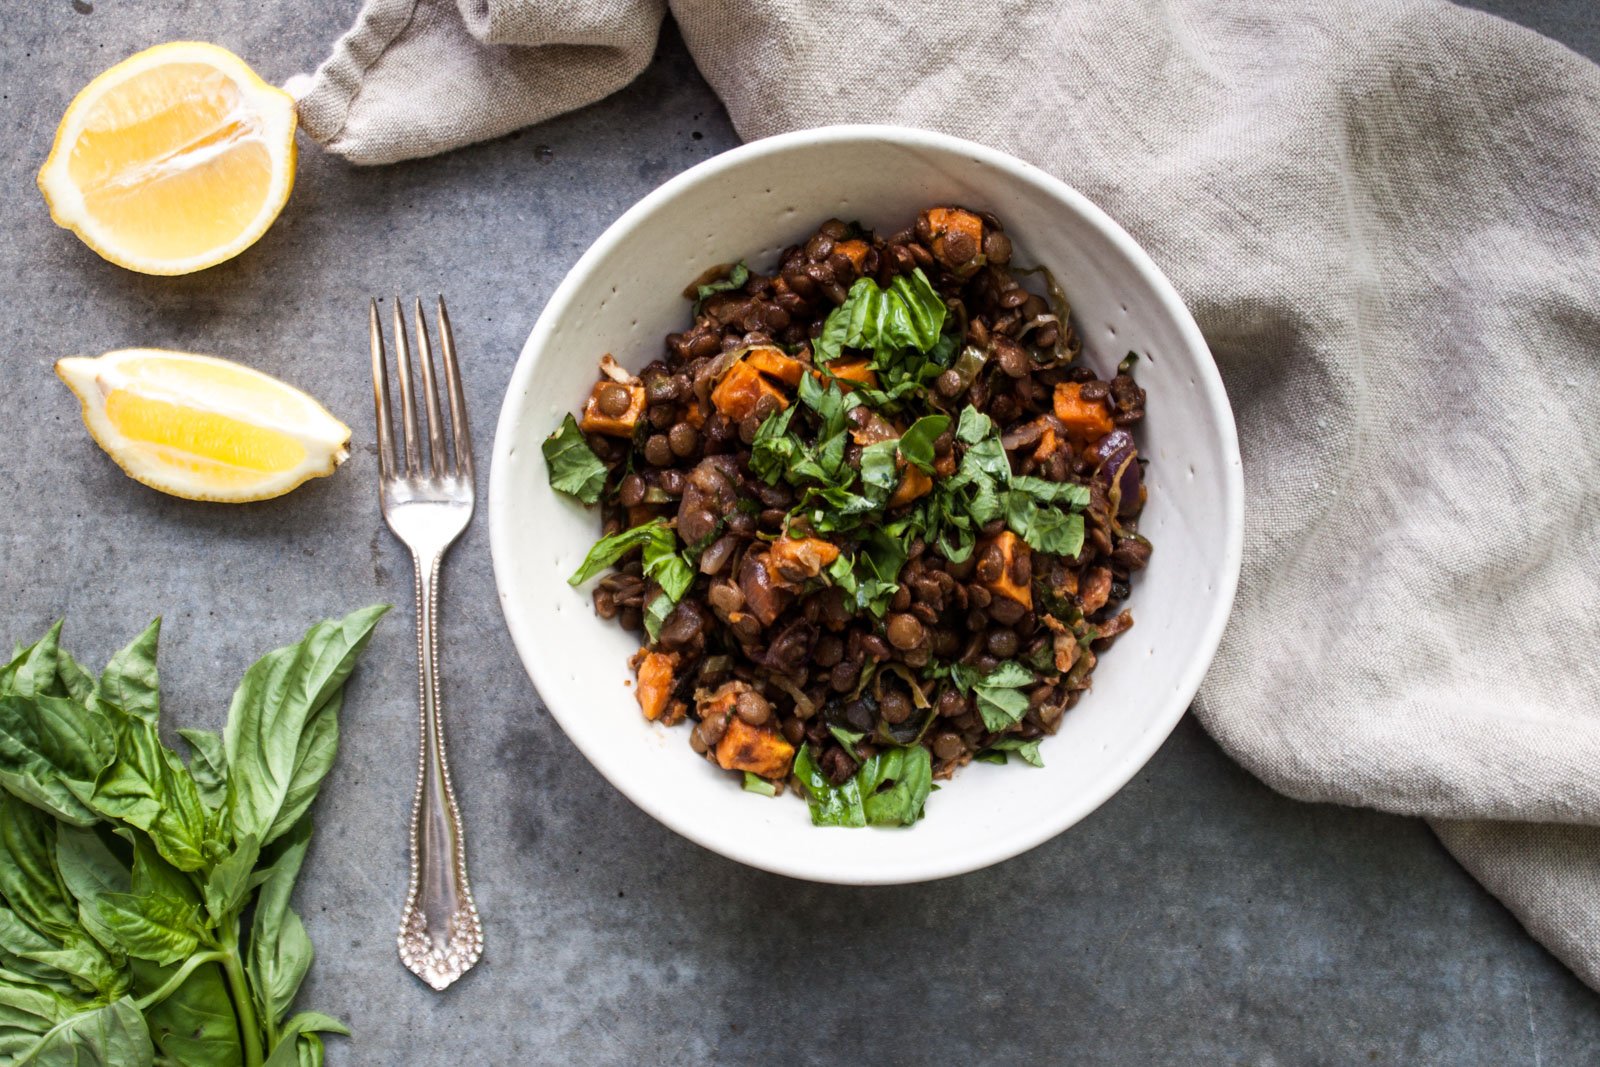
(204, 428)
(173, 160)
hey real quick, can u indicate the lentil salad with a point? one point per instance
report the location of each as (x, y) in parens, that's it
(873, 517)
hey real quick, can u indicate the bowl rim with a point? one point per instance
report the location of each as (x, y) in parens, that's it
(502, 540)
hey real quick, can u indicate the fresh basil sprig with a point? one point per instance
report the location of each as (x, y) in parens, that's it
(125, 873)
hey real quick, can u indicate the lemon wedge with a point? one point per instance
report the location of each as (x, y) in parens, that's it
(203, 428)
(173, 160)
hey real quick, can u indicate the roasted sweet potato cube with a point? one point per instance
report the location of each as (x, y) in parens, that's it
(596, 420)
(693, 415)
(957, 237)
(1048, 443)
(853, 372)
(799, 558)
(912, 485)
(758, 749)
(655, 683)
(772, 361)
(1086, 420)
(1011, 547)
(854, 250)
(741, 389)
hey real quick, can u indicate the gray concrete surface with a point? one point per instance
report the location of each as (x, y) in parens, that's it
(1196, 918)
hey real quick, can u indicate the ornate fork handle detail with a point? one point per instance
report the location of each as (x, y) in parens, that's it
(440, 933)
(425, 488)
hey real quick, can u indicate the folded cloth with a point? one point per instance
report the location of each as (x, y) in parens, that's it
(1382, 215)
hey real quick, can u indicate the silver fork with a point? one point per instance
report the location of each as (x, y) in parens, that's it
(426, 494)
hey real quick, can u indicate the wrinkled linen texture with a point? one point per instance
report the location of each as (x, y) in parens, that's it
(1383, 215)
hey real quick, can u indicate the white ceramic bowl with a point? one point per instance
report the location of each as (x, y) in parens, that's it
(623, 297)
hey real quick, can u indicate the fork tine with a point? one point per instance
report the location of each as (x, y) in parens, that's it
(380, 396)
(442, 466)
(408, 406)
(458, 398)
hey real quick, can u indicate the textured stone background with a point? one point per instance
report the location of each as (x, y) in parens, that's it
(1196, 918)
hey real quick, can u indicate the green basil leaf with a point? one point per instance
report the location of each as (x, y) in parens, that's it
(608, 550)
(663, 564)
(34, 670)
(29, 879)
(17, 972)
(298, 1044)
(229, 880)
(909, 314)
(76, 682)
(837, 327)
(130, 681)
(90, 870)
(916, 444)
(1045, 529)
(208, 765)
(656, 612)
(848, 738)
(300, 1050)
(27, 1012)
(78, 957)
(871, 578)
(313, 759)
(1028, 750)
(924, 311)
(111, 1036)
(1001, 702)
(197, 1023)
(1009, 675)
(738, 275)
(830, 805)
(894, 785)
(149, 787)
(990, 756)
(878, 469)
(754, 783)
(986, 459)
(1045, 491)
(974, 426)
(153, 927)
(309, 1022)
(280, 951)
(51, 751)
(573, 467)
(1001, 709)
(278, 697)
(773, 450)
(154, 876)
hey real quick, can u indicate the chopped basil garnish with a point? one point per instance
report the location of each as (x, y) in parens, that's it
(737, 276)
(574, 468)
(890, 789)
(754, 783)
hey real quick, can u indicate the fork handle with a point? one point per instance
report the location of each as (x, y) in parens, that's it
(441, 935)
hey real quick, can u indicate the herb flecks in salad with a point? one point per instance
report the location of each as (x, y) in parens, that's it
(871, 513)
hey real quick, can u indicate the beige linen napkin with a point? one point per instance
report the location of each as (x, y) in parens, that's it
(1383, 215)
